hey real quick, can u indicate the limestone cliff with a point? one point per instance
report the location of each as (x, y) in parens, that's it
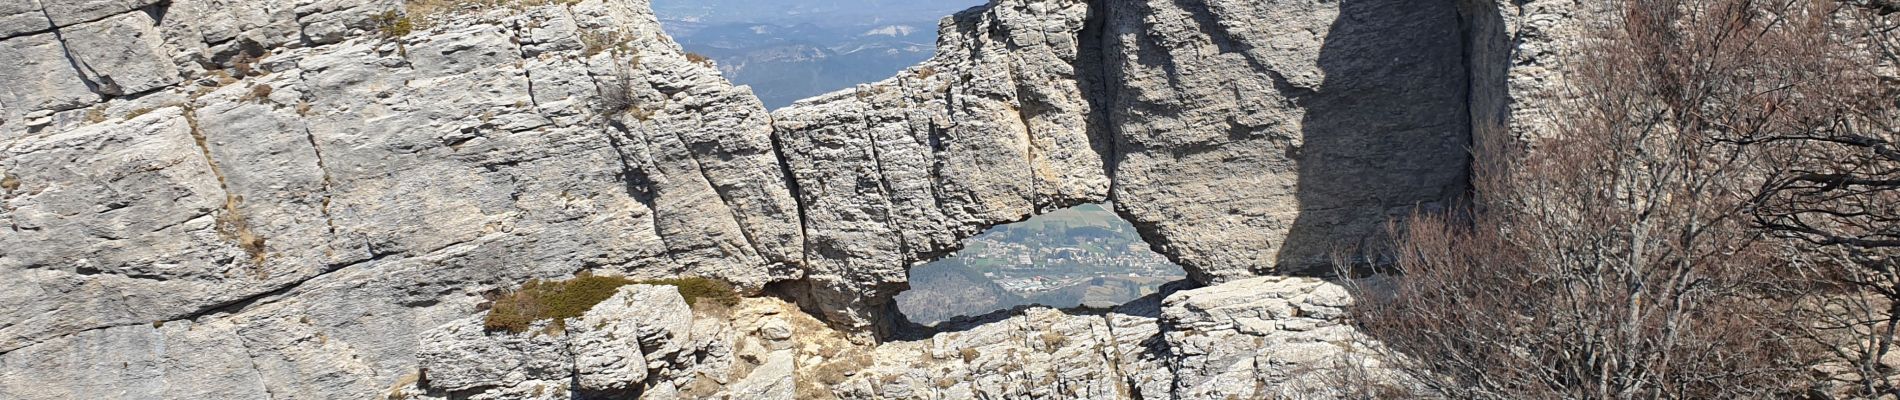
(1240, 147)
(284, 198)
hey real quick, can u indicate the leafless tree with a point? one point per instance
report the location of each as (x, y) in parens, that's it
(1642, 251)
(1832, 187)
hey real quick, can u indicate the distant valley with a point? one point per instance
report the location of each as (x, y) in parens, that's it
(807, 48)
(1080, 256)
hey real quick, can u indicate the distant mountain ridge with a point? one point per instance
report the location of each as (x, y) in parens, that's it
(800, 49)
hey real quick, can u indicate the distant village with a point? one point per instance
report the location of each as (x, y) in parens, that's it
(1032, 260)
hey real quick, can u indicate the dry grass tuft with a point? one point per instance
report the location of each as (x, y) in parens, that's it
(593, 43)
(138, 112)
(260, 93)
(234, 226)
(96, 114)
(1054, 340)
(700, 59)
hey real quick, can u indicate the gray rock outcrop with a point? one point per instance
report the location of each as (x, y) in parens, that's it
(282, 198)
(1239, 148)
(633, 340)
(1265, 337)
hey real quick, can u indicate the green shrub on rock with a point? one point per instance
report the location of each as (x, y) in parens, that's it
(539, 300)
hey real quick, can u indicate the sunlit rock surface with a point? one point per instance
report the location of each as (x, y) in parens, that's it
(299, 199)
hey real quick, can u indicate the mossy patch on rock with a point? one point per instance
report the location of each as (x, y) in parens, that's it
(559, 300)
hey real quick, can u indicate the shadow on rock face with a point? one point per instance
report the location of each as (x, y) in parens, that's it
(1385, 133)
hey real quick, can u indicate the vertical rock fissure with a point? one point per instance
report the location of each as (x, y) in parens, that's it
(791, 184)
(1113, 355)
(634, 179)
(329, 183)
(926, 136)
(67, 51)
(527, 74)
(1093, 65)
(883, 179)
(739, 220)
(250, 357)
(232, 223)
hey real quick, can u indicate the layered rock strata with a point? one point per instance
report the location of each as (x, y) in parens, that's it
(281, 198)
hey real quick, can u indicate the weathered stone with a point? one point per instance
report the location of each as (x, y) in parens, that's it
(181, 360)
(38, 76)
(1256, 338)
(611, 344)
(1266, 337)
(21, 17)
(985, 133)
(301, 201)
(462, 356)
(73, 12)
(641, 337)
(1250, 148)
(120, 55)
(265, 24)
(113, 224)
(333, 21)
(1034, 353)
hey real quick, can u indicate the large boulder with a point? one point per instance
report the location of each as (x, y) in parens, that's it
(636, 334)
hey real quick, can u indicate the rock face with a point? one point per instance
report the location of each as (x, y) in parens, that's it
(640, 337)
(1348, 112)
(282, 198)
(1239, 148)
(995, 128)
(1269, 337)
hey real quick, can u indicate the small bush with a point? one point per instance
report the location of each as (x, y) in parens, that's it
(1054, 340)
(559, 300)
(640, 114)
(9, 182)
(394, 24)
(700, 59)
(969, 355)
(836, 371)
(616, 96)
(593, 43)
(260, 93)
